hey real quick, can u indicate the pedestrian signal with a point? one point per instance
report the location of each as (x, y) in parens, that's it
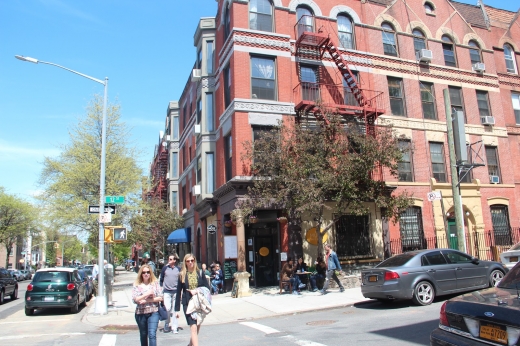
(108, 235)
(119, 234)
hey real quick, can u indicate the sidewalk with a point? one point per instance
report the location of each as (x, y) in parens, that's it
(264, 302)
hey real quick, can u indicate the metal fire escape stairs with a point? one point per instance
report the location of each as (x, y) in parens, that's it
(158, 172)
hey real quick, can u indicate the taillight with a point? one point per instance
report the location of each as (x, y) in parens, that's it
(443, 317)
(30, 287)
(391, 276)
(70, 287)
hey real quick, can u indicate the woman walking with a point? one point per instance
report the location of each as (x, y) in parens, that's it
(190, 279)
(147, 293)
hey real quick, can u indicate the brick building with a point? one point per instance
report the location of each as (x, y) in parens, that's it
(258, 61)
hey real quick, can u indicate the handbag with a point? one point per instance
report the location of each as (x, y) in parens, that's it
(163, 313)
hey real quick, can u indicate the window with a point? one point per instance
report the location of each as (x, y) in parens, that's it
(175, 165)
(227, 23)
(510, 58)
(474, 52)
(210, 113)
(405, 165)
(428, 8)
(227, 86)
(184, 115)
(199, 59)
(346, 38)
(389, 45)
(501, 226)
(353, 236)
(483, 103)
(428, 100)
(261, 15)
(515, 98)
(492, 162)
(199, 170)
(263, 79)
(449, 52)
(309, 83)
(210, 173)
(395, 91)
(434, 258)
(419, 42)
(258, 133)
(199, 110)
(174, 201)
(183, 191)
(175, 131)
(411, 229)
(304, 20)
(350, 98)
(437, 158)
(456, 257)
(209, 57)
(456, 99)
(228, 156)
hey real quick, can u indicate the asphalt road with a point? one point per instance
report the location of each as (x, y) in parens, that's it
(364, 324)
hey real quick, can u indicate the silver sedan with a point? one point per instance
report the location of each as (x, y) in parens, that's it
(510, 257)
(422, 275)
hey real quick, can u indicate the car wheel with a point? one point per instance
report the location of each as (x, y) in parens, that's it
(15, 294)
(495, 277)
(29, 311)
(423, 293)
(1, 297)
(75, 308)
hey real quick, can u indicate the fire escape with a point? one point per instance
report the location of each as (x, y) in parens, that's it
(320, 95)
(158, 171)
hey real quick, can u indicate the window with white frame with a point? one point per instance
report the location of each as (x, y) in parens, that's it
(510, 58)
(515, 99)
(345, 32)
(389, 40)
(175, 131)
(261, 15)
(210, 113)
(175, 165)
(437, 159)
(263, 78)
(210, 173)
(209, 57)
(492, 162)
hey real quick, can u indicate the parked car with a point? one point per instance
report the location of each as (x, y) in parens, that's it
(8, 285)
(486, 317)
(88, 280)
(510, 257)
(422, 275)
(26, 274)
(55, 288)
(17, 274)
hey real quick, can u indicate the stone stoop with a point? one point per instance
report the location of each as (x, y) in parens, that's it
(348, 281)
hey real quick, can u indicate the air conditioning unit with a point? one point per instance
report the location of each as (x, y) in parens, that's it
(425, 55)
(494, 179)
(196, 190)
(167, 176)
(196, 75)
(487, 120)
(479, 67)
(197, 128)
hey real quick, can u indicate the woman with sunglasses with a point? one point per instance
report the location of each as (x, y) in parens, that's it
(189, 279)
(147, 293)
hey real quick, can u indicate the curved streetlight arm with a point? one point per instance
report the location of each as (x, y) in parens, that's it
(36, 61)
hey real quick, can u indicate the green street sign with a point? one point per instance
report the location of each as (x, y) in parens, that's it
(114, 199)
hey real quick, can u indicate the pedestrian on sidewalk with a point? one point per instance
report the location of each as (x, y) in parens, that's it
(95, 272)
(321, 273)
(168, 281)
(332, 261)
(147, 293)
(217, 278)
(190, 279)
(288, 275)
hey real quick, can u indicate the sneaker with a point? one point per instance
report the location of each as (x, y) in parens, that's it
(167, 330)
(296, 293)
(342, 289)
(302, 285)
(175, 331)
(314, 290)
(322, 292)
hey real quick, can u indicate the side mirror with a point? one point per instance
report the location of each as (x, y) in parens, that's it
(475, 260)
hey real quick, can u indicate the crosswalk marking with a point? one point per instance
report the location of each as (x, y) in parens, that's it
(108, 340)
(290, 338)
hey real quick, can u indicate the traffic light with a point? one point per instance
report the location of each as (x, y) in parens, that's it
(108, 235)
(119, 234)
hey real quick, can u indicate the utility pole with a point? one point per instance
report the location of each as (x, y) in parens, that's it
(455, 187)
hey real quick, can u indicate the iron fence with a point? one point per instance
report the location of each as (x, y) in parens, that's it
(486, 245)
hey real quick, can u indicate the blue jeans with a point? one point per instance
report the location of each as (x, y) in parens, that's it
(147, 324)
(214, 284)
(315, 278)
(295, 282)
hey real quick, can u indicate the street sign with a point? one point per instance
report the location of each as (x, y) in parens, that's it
(119, 234)
(105, 218)
(434, 195)
(114, 199)
(94, 209)
(212, 229)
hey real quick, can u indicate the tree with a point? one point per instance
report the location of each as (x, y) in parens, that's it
(71, 180)
(16, 218)
(305, 168)
(153, 224)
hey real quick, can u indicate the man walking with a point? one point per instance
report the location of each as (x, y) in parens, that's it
(168, 281)
(331, 259)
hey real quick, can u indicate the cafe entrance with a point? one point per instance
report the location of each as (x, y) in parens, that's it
(262, 253)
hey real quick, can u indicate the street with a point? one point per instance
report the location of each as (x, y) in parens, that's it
(370, 323)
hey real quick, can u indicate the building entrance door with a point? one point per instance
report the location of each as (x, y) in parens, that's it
(453, 241)
(262, 254)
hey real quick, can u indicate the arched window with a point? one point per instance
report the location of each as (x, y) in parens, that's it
(304, 19)
(428, 8)
(510, 58)
(419, 40)
(345, 32)
(261, 15)
(474, 52)
(449, 51)
(227, 23)
(389, 42)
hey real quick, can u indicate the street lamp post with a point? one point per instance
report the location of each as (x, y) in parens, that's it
(101, 299)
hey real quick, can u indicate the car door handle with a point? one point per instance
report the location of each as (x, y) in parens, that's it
(431, 271)
(458, 268)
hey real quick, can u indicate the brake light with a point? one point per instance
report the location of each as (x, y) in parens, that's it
(30, 287)
(444, 318)
(70, 287)
(391, 276)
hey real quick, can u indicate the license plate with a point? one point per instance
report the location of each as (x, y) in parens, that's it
(513, 259)
(494, 333)
(48, 299)
(372, 278)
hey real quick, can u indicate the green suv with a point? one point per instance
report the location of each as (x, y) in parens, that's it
(55, 288)
(8, 285)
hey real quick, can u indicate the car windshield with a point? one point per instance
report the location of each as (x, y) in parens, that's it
(56, 276)
(512, 279)
(397, 260)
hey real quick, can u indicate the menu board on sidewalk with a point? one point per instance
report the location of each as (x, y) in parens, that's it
(230, 268)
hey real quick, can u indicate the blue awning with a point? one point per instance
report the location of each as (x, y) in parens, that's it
(181, 235)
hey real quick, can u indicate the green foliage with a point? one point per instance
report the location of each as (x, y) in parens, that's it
(16, 219)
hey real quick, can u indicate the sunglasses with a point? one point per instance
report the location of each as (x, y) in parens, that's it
(189, 261)
(146, 272)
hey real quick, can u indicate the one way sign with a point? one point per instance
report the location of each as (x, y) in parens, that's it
(94, 209)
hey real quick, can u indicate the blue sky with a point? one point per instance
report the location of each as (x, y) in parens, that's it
(145, 48)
